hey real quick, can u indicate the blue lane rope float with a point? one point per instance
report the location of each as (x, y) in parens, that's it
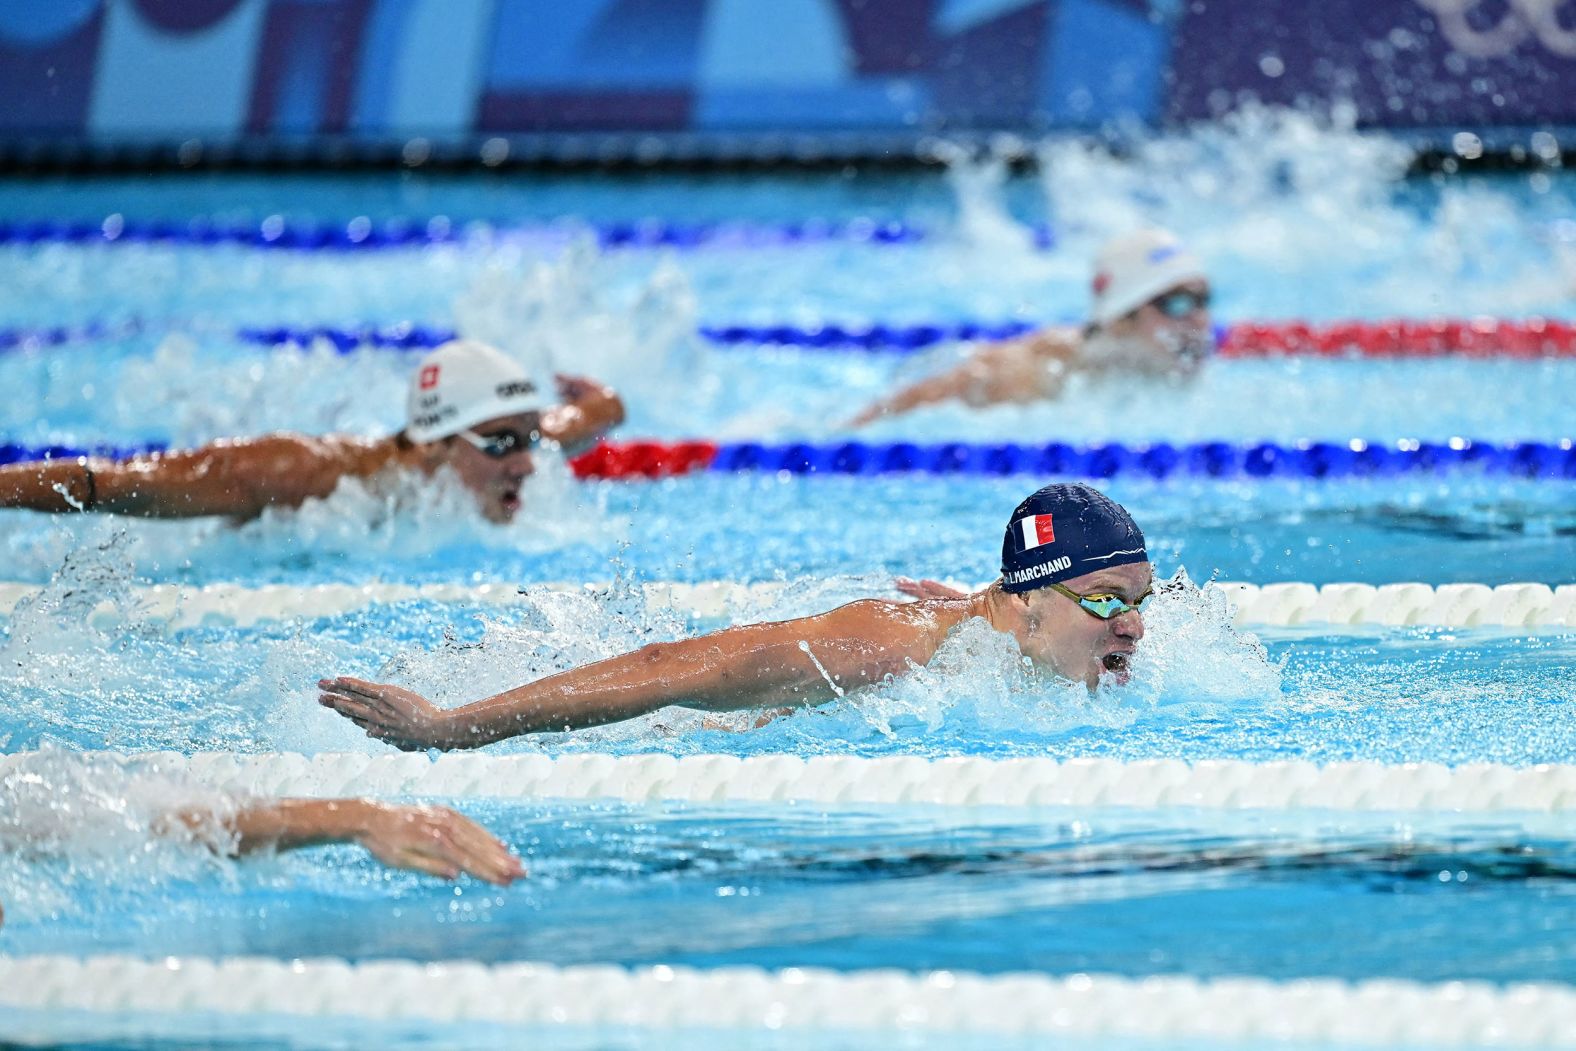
(1355, 458)
(362, 233)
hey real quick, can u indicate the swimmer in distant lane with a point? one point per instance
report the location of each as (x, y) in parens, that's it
(470, 409)
(1148, 316)
(1075, 574)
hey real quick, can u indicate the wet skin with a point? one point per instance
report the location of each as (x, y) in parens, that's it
(1057, 633)
(805, 661)
(1151, 341)
(494, 481)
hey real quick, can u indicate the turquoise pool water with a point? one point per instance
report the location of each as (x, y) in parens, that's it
(1296, 221)
(1104, 892)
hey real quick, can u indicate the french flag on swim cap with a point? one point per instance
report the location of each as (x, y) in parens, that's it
(1096, 533)
(1036, 530)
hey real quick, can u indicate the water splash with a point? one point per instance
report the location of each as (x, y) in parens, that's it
(70, 824)
(978, 180)
(1280, 202)
(573, 314)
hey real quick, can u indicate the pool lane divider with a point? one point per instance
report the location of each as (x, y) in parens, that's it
(362, 234)
(1355, 458)
(1330, 607)
(1234, 785)
(720, 1001)
(1393, 338)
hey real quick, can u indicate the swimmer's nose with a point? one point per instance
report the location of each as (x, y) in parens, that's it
(522, 466)
(1129, 625)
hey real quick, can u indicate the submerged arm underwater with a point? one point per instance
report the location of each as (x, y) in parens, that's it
(434, 840)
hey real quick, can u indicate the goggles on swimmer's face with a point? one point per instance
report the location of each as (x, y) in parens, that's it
(1104, 604)
(1180, 302)
(506, 441)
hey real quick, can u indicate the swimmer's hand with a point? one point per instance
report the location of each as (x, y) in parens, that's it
(403, 718)
(437, 841)
(927, 589)
(574, 388)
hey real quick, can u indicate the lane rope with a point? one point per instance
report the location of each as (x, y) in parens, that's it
(1357, 786)
(1481, 337)
(1380, 1012)
(364, 234)
(1291, 604)
(1355, 458)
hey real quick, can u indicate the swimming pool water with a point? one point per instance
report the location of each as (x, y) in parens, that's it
(1296, 219)
(1199, 689)
(1459, 527)
(1091, 891)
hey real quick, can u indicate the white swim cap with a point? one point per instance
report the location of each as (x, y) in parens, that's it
(463, 383)
(1135, 268)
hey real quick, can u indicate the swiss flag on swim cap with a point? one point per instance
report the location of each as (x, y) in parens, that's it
(429, 377)
(1036, 531)
(1102, 281)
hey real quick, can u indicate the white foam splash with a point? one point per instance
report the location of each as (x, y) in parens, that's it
(71, 823)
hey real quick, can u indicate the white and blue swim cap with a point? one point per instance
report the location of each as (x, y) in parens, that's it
(463, 383)
(1132, 269)
(1063, 531)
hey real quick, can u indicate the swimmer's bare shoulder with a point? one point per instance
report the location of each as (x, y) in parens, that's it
(1029, 367)
(891, 635)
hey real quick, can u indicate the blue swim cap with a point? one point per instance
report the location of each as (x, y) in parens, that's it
(1063, 531)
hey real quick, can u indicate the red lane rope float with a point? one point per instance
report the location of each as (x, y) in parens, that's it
(643, 459)
(1400, 338)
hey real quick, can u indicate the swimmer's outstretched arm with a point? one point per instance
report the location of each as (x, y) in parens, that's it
(796, 662)
(237, 478)
(434, 840)
(588, 411)
(1015, 371)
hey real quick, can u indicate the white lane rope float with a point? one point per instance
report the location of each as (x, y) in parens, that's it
(963, 781)
(1374, 1013)
(1269, 605)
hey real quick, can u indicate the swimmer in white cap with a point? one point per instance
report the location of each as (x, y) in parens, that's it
(471, 409)
(1075, 577)
(1148, 315)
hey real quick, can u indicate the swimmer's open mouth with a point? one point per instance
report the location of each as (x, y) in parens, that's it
(1114, 661)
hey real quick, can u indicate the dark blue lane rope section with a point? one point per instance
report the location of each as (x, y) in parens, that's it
(10, 452)
(1158, 460)
(1356, 458)
(362, 233)
(880, 338)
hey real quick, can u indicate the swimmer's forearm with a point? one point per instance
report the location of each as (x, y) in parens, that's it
(283, 824)
(287, 824)
(720, 672)
(49, 485)
(591, 414)
(791, 663)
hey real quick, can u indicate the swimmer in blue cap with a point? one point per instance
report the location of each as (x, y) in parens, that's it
(471, 411)
(1148, 316)
(1074, 576)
